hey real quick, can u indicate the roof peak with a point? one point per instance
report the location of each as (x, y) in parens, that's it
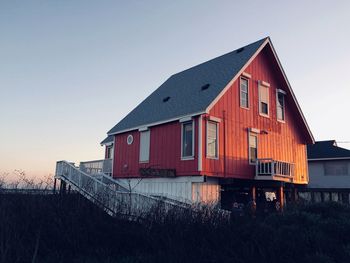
(262, 40)
(185, 90)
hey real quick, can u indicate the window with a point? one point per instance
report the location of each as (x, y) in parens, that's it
(144, 146)
(253, 148)
(130, 139)
(244, 90)
(336, 168)
(264, 100)
(109, 154)
(187, 148)
(280, 105)
(212, 139)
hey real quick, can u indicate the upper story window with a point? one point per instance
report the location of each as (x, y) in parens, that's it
(253, 147)
(144, 146)
(187, 140)
(280, 105)
(264, 98)
(212, 139)
(244, 92)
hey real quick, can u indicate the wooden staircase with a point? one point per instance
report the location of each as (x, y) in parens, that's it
(111, 195)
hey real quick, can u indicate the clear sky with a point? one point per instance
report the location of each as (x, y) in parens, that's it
(70, 70)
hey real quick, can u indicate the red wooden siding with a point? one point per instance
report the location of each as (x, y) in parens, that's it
(165, 152)
(284, 141)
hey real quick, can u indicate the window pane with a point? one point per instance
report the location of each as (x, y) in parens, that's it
(336, 168)
(244, 99)
(280, 106)
(144, 146)
(244, 92)
(244, 84)
(280, 100)
(252, 141)
(264, 94)
(212, 140)
(253, 153)
(109, 152)
(264, 99)
(264, 108)
(187, 140)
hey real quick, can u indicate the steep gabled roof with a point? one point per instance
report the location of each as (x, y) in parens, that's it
(326, 150)
(197, 89)
(182, 95)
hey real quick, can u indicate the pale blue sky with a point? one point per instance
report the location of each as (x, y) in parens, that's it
(70, 70)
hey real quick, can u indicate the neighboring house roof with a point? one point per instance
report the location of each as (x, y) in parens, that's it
(195, 90)
(323, 150)
(108, 140)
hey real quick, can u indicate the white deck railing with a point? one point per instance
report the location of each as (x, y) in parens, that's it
(111, 196)
(97, 166)
(270, 167)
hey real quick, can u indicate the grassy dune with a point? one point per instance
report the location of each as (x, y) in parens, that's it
(67, 228)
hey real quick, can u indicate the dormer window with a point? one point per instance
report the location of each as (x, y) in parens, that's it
(280, 105)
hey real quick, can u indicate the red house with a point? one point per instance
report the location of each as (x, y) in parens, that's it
(228, 129)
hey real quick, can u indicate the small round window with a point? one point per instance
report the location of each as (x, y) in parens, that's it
(130, 139)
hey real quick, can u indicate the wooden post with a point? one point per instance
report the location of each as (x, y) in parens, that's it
(254, 193)
(63, 187)
(295, 194)
(253, 201)
(281, 197)
(54, 186)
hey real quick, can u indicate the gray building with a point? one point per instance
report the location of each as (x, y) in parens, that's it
(329, 173)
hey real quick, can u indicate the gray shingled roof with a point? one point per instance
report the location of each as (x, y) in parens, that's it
(109, 139)
(326, 150)
(185, 92)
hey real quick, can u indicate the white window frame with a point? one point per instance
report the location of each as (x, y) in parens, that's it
(265, 85)
(191, 157)
(279, 91)
(217, 140)
(240, 92)
(110, 147)
(257, 146)
(149, 146)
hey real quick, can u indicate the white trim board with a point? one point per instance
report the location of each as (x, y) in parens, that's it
(200, 142)
(107, 143)
(158, 123)
(211, 105)
(329, 159)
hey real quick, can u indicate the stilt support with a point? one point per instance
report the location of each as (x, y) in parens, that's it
(54, 186)
(281, 197)
(254, 193)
